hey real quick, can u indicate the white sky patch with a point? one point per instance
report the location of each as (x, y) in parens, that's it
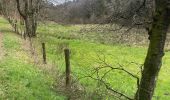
(58, 1)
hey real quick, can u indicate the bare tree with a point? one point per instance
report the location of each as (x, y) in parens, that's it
(29, 10)
(153, 61)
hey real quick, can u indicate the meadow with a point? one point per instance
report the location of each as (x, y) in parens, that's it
(90, 49)
(20, 79)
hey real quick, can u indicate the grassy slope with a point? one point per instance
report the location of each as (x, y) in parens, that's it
(84, 55)
(20, 79)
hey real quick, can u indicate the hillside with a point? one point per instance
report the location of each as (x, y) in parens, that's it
(21, 79)
(23, 76)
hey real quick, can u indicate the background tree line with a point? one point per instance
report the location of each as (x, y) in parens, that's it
(77, 12)
(101, 11)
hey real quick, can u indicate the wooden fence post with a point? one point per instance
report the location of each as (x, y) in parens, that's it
(44, 53)
(68, 69)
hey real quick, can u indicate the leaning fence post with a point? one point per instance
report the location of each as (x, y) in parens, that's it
(44, 53)
(68, 69)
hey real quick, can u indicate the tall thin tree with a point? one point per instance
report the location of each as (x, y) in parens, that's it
(153, 61)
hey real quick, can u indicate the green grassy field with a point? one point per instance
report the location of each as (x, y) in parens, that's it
(84, 57)
(21, 79)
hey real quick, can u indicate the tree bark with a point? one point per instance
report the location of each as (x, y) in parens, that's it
(31, 26)
(155, 53)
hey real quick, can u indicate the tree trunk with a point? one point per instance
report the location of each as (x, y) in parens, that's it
(31, 26)
(155, 53)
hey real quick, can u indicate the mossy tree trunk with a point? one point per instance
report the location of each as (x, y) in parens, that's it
(155, 53)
